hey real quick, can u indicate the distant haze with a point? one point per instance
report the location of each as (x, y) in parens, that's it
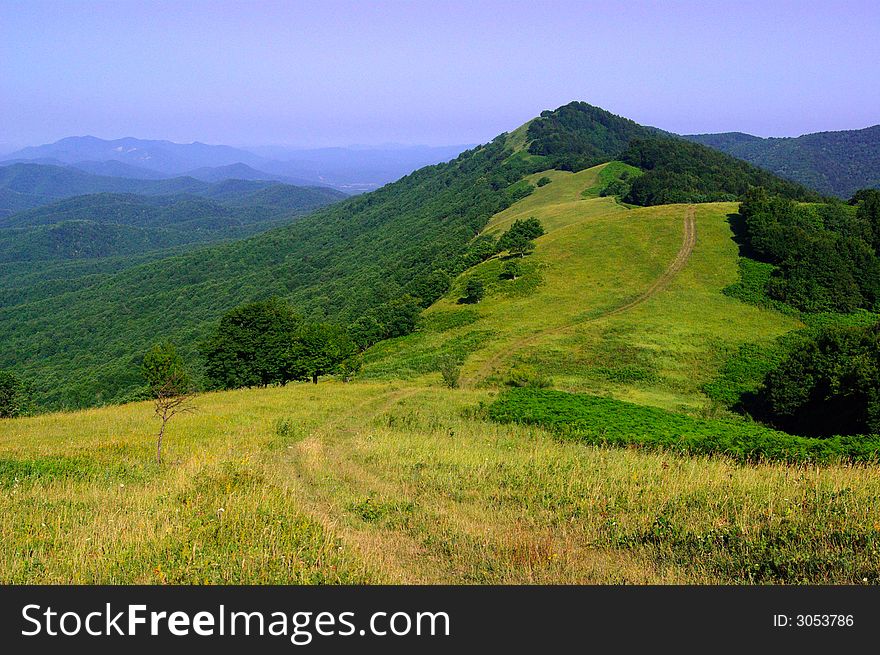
(317, 74)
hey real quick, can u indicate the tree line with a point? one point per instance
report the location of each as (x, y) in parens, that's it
(827, 255)
(267, 342)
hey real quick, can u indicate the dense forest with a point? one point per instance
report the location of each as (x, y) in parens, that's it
(370, 256)
(579, 135)
(26, 186)
(679, 171)
(833, 163)
(826, 254)
(108, 225)
(820, 260)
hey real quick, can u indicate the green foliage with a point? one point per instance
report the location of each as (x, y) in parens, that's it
(519, 238)
(578, 135)
(450, 371)
(828, 384)
(754, 280)
(358, 259)
(14, 399)
(252, 346)
(678, 171)
(391, 319)
(835, 163)
(265, 343)
(609, 422)
(823, 254)
(323, 349)
(525, 376)
(511, 269)
(742, 374)
(110, 225)
(614, 180)
(431, 287)
(473, 291)
(25, 186)
(543, 181)
(165, 372)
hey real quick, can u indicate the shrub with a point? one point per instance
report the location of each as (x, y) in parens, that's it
(511, 269)
(829, 384)
(544, 181)
(606, 421)
(527, 376)
(450, 372)
(473, 291)
(13, 395)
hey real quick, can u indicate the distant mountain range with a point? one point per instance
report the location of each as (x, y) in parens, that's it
(833, 163)
(353, 170)
(111, 224)
(25, 186)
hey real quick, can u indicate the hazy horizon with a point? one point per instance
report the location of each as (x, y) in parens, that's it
(334, 74)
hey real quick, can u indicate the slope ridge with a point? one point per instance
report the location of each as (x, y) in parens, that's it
(615, 300)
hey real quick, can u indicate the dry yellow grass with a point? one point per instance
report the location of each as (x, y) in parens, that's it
(385, 482)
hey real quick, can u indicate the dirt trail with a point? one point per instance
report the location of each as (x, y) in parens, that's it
(674, 268)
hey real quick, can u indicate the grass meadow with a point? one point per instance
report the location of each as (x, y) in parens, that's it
(394, 478)
(405, 483)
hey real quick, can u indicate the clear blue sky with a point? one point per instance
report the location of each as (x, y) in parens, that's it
(432, 72)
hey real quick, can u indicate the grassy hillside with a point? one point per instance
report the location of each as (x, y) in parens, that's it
(561, 318)
(394, 478)
(81, 348)
(402, 483)
(833, 163)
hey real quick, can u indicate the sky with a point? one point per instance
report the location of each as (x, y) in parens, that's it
(434, 72)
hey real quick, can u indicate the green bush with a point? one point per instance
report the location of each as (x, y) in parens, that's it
(473, 291)
(450, 372)
(829, 384)
(609, 422)
(13, 395)
(523, 375)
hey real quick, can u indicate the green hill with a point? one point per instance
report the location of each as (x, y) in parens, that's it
(832, 163)
(80, 345)
(597, 309)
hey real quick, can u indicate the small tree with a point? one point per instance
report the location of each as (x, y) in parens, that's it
(450, 371)
(510, 270)
(473, 291)
(519, 239)
(169, 385)
(13, 396)
(321, 349)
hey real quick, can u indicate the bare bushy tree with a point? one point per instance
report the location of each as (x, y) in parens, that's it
(169, 385)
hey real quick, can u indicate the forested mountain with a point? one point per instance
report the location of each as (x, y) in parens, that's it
(578, 135)
(345, 262)
(108, 225)
(163, 156)
(25, 186)
(833, 163)
(353, 169)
